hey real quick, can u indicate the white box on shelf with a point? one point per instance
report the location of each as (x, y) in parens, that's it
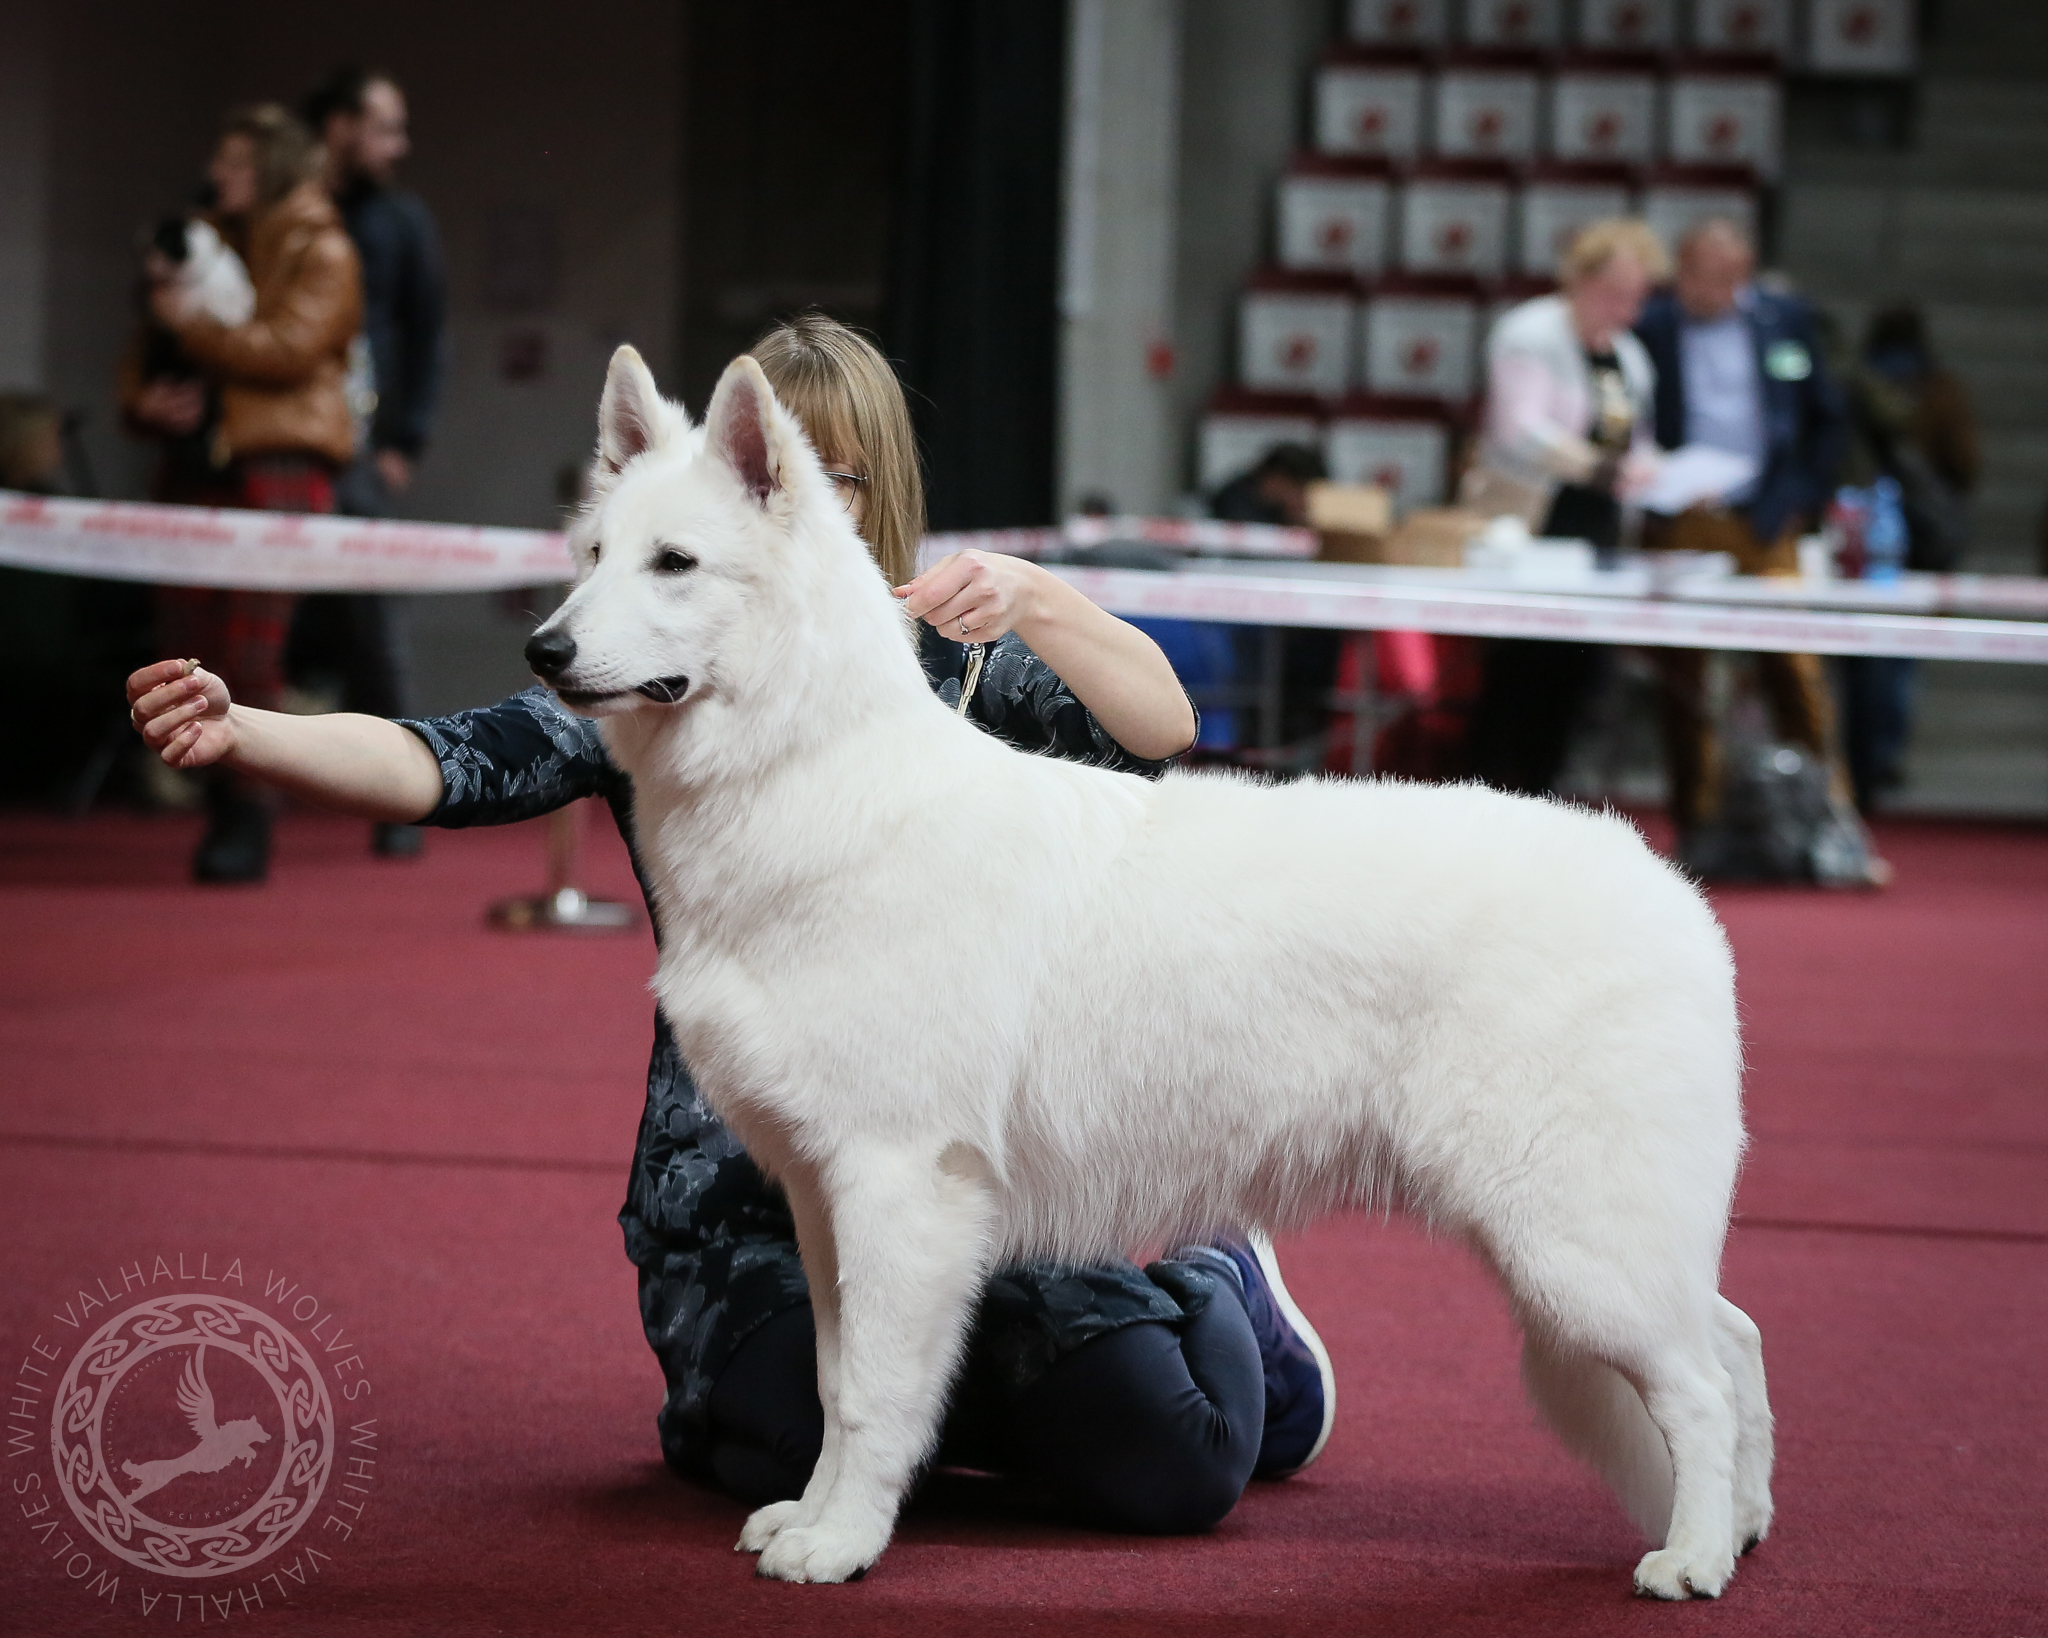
(1517, 23)
(1487, 112)
(1370, 108)
(1604, 114)
(1742, 25)
(1399, 22)
(1555, 202)
(1420, 339)
(1295, 334)
(1627, 25)
(1677, 197)
(1504, 295)
(1717, 117)
(1454, 219)
(1238, 430)
(1861, 36)
(1333, 216)
(1403, 449)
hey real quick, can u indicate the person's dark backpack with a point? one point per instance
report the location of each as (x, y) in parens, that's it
(1937, 518)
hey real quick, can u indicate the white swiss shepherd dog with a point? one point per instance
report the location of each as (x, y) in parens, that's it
(969, 1006)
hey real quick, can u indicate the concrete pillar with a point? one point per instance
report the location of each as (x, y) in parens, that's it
(1117, 436)
(24, 196)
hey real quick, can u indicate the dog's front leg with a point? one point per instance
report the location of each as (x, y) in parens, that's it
(805, 1191)
(911, 1234)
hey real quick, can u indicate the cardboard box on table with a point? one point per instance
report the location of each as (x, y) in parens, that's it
(1295, 332)
(1431, 537)
(1371, 104)
(1333, 215)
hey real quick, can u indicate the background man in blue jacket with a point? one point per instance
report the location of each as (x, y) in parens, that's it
(360, 117)
(1740, 368)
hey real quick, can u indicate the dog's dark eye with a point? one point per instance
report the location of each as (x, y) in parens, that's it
(595, 550)
(669, 560)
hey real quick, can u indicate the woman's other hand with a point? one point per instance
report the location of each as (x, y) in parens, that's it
(975, 597)
(181, 711)
(175, 407)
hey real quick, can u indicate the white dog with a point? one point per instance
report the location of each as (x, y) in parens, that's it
(971, 1006)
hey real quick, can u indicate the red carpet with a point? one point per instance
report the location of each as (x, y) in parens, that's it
(345, 1079)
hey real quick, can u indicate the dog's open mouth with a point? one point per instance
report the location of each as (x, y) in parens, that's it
(661, 690)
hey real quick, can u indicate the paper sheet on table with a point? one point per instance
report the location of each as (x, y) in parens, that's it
(1695, 472)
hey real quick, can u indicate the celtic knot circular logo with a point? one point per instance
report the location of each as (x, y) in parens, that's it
(193, 1435)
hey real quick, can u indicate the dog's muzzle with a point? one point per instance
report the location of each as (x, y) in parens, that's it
(551, 653)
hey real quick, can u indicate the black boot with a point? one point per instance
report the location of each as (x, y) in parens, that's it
(389, 841)
(236, 847)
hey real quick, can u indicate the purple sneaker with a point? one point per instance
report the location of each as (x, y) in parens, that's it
(1301, 1389)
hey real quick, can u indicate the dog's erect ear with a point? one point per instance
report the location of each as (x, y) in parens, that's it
(629, 418)
(746, 429)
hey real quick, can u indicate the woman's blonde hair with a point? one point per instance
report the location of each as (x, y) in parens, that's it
(286, 152)
(835, 381)
(1598, 243)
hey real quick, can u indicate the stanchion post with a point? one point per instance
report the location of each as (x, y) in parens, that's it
(563, 906)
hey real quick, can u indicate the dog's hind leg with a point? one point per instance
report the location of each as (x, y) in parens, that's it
(1689, 1395)
(911, 1233)
(1595, 1322)
(1741, 1348)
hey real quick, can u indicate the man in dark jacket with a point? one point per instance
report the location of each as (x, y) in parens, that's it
(360, 116)
(1740, 368)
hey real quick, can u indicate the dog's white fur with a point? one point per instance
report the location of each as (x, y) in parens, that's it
(969, 1005)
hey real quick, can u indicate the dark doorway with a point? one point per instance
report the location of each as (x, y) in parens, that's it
(973, 287)
(792, 119)
(897, 164)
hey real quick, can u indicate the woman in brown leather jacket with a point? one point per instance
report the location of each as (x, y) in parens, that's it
(284, 426)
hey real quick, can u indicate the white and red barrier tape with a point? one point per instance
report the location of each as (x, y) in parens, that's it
(272, 551)
(1347, 603)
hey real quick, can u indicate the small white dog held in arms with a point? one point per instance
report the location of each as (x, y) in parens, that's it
(972, 1006)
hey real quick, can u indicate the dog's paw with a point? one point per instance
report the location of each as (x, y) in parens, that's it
(765, 1524)
(1752, 1523)
(821, 1552)
(1671, 1573)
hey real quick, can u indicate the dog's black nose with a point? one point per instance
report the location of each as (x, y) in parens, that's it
(549, 652)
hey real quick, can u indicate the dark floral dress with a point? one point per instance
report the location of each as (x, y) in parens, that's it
(712, 1238)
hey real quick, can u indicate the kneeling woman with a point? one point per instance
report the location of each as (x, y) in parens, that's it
(1139, 1399)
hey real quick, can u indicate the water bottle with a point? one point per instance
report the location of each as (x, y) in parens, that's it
(1884, 536)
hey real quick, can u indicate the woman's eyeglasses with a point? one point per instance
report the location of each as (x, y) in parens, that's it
(846, 481)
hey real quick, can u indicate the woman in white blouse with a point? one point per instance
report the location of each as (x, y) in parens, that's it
(1568, 437)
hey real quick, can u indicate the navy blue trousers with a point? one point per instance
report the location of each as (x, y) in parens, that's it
(1149, 1429)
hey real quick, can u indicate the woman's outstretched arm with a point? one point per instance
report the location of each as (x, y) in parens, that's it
(354, 764)
(1111, 666)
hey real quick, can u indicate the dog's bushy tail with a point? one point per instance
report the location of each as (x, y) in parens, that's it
(1595, 1410)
